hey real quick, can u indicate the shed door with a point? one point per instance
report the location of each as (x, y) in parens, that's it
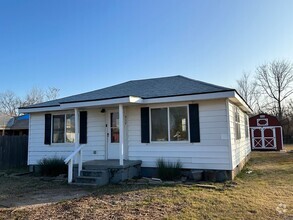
(263, 137)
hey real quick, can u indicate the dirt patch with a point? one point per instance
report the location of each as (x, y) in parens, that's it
(18, 191)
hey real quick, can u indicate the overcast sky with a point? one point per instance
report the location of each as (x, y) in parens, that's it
(84, 45)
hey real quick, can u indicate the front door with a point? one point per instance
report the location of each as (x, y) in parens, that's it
(113, 135)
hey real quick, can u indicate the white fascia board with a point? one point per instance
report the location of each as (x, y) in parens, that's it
(66, 106)
(207, 96)
(242, 103)
(135, 99)
(43, 109)
(125, 100)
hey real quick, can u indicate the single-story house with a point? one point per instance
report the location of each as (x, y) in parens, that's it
(205, 126)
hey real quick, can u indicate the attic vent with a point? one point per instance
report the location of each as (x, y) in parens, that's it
(262, 122)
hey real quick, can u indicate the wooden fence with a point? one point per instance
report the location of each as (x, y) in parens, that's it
(13, 151)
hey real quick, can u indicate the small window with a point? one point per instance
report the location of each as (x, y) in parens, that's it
(169, 124)
(63, 130)
(237, 124)
(159, 120)
(246, 127)
(114, 127)
(178, 124)
(70, 128)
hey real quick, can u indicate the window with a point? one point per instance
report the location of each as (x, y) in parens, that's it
(63, 128)
(237, 124)
(178, 124)
(114, 127)
(246, 127)
(159, 120)
(169, 124)
(70, 128)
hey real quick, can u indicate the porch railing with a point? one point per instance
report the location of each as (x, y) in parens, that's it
(70, 161)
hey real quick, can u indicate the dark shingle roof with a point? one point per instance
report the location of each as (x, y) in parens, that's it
(147, 88)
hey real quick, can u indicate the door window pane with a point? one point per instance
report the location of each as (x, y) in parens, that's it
(159, 120)
(114, 117)
(58, 128)
(70, 128)
(178, 124)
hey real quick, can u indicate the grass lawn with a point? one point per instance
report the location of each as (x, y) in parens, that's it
(265, 193)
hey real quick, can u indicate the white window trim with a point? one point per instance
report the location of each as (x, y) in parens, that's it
(246, 126)
(237, 123)
(168, 120)
(52, 127)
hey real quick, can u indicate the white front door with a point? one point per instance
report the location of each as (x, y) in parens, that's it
(113, 135)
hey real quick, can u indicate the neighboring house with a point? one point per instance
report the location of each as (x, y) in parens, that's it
(266, 132)
(175, 118)
(3, 122)
(14, 126)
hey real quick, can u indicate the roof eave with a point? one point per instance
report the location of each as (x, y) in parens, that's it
(237, 99)
(100, 103)
(134, 100)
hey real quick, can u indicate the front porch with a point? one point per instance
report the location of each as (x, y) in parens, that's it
(102, 172)
(115, 151)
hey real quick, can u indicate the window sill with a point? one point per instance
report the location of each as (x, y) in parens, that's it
(170, 142)
(63, 144)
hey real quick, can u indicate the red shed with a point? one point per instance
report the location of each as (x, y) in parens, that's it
(265, 133)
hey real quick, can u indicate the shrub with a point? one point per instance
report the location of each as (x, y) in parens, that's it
(169, 170)
(52, 166)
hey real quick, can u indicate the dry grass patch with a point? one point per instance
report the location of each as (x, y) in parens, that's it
(256, 195)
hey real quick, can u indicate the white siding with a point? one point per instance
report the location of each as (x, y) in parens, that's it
(211, 153)
(95, 139)
(241, 147)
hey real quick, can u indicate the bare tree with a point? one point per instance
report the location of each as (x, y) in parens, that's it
(52, 93)
(248, 90)
(37, 95)
(287, 122)
(34, 96)
(275, 79)
(9, 103)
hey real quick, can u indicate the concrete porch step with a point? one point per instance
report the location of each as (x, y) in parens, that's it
(99, 181)
(85, 184)
(98, 177)
(94, 173)
(102, 172)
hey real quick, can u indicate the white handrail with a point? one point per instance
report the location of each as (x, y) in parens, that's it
(71, 156)
(69, 160)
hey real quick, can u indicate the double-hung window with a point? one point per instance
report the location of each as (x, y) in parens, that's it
(246, 127)
(237, 124)
(63, 129)
(169, 124)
